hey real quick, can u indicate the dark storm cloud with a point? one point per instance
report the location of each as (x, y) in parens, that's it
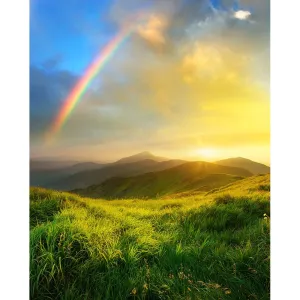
(48, 88)
(52, 63)
(104, 112)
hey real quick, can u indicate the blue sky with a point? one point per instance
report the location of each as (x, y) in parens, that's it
(58, 31)
(72, 32)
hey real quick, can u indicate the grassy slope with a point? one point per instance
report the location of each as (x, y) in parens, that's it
(152, 186)
(202, 247)
(190, 177)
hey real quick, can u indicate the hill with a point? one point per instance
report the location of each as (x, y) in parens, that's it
(240, 162)
(140, 156)
(85, 166)
(90, 177)
(213, 246)
(42, 165)
(46, 173)
(188, 177)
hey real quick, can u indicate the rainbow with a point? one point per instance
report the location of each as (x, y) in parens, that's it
(81, 86)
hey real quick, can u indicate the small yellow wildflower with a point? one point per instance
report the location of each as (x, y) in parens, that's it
(227, 291)
(133, 292)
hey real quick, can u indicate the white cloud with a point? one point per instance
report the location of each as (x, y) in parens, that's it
(242, 14)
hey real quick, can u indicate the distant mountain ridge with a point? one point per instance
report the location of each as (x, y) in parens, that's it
(187, 177)
(240, 162)
(69, 175)
(45, 173)
(52, 173)
(89, 177)
(36, 165)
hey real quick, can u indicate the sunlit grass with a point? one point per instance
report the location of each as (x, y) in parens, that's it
(213, 246)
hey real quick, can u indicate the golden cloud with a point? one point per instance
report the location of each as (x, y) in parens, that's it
(153, 30)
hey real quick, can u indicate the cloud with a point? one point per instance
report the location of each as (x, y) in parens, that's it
(52, 63)
(205, 91)
(242, 14)
(153, 30)
(48, 88)
(98, 117)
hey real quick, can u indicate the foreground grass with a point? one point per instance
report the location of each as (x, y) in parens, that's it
(207, 247)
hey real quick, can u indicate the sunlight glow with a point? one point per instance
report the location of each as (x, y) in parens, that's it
(207, 153)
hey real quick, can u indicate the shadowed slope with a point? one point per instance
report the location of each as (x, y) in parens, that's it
(240, 162)
(57, 174)
(90, 177)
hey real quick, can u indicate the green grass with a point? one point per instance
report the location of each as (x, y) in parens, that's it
(213, 246)
(150, 186)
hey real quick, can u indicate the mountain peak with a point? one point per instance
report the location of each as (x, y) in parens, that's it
(140, 156)
(144, 153)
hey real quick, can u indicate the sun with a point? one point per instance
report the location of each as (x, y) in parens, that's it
(207, 153)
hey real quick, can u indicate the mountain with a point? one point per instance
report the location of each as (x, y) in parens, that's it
(44, 173)
(189, 177)
(140, 156)
(36, 165)
(240, 162)
(85, 166)
(55, 173)
(90, 177)
(43, 178)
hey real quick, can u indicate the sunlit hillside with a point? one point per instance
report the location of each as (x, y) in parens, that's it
(214, 245)
(187, 178)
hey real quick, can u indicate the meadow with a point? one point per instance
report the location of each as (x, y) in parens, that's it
(213, 245)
